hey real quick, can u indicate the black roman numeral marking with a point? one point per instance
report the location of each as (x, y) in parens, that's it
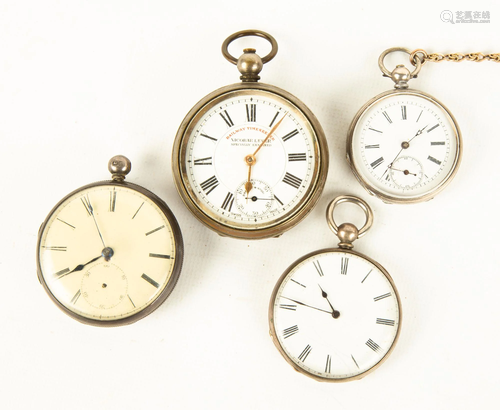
(203, 161)
(208, 136)
(210, 184)
(64, 222)
(403, 112)
(112, 201)
(290, 331)
(419, 115)
(430, 129)
(288, 307)
(277, 199)
(432, 159)
(303, 356)
(372, 146)
(386, 295)
(328, 365)
(129, 298)
(354, 360)
(228, 202)
(88, 207)
(251, 112)
(292, 180)
(318, 268)
(225, 116)
(387, 117)
(367, 275)
(438, 143)
(373, 129)
(76, 297)
(344, 264)
(136, 212)
(150, 281)
(158, 255)
(372, 345)
(290, 135)
(297, 157)
(155, 230)
(61, 273)
(274, 119)
(377, 162)
(387, 322)
(298, 283)
(56, 248)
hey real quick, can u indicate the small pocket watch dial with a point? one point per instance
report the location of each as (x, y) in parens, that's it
(404, 146)
(257, 197)
(335, 315)
(109, 253)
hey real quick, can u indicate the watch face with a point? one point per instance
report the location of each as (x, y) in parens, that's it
(109, 253)
(335, 315)
(288, 170)
(404, 146)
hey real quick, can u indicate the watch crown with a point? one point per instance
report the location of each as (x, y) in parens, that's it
(119, 166)
(250, 65)
(347, 234)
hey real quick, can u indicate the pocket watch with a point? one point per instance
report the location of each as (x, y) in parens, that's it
(335, 314)
(250, 160)
(403, 145)
(110, 252)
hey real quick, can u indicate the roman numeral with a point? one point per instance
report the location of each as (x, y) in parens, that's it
(354, 360)
(288, 307)
(372, 146)
(225, 116)
(209, 137)
(303, 356)
(367, 275)
(129, 298)
(432, 159)
(277, 199)
(387, 117)
(251, 112)
(203, 161)
(150, 281)
(403, 112)
(318, 268)
(76, 297)
(419, 115)
(298, 283)
(64, 222)
(372, 345)
(386, 295)
(87, 205)
(438, 143)
(297, 157)
(292, 180)
(56, 248)
(228, 202)
(61, 273)
(430, 129)
(112, 201)
(328, 365)
(290, 135)
(274, 119)
(210, 184)
(387, 322)
(158, 255)
(155, 230)
(290, 331)
(377, 162)
(136, 212)
(373, 129)
(344, 263)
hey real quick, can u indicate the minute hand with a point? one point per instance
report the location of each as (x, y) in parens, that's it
(303, 304)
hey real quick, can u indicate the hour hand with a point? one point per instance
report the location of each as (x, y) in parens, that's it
(78, 268)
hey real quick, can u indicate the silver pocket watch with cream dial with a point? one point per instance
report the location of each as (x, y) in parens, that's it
(250, 160)
(404, 146)
(111, 252)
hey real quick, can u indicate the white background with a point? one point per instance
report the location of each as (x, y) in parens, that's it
(81, 81)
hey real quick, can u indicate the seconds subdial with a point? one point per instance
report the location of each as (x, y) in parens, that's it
(256, 202)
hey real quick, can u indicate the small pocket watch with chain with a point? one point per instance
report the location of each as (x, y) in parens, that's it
(335, 314)
(250, 160)
(403, 145)
(110, 252)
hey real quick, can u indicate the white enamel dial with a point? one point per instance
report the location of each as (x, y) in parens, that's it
(404, 146)
(287, 172)
(335, 315)
(107, 253)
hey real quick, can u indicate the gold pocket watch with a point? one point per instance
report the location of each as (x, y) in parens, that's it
(250, 160)
(111, 252)
(335, 314)
(403, 145)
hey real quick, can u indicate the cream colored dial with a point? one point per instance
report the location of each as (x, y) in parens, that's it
(107, 253)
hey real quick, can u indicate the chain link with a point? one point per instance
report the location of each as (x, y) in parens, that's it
(456, 57)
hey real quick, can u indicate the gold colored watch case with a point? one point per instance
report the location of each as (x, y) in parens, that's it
(388, 198)
(272, 330)
(176, 270)
(201, 211)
